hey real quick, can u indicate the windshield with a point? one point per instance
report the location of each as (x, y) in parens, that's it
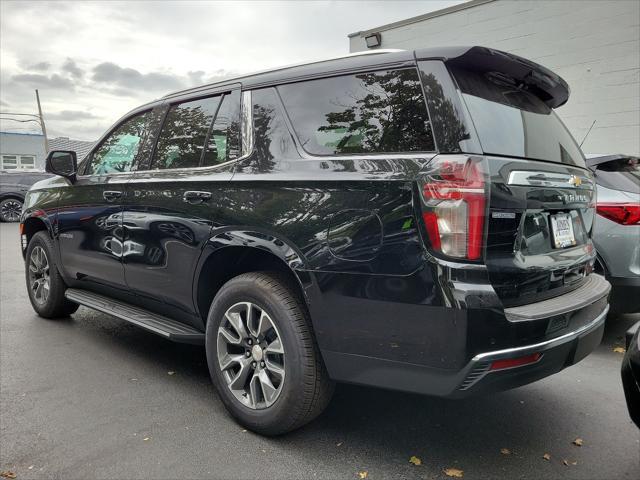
(511, 120)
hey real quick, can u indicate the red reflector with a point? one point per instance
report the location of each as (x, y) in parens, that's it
(515, 362)
(622, 213)
(431, 225)
(21, 228)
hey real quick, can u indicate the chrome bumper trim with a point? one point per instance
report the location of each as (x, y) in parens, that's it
(542, 346)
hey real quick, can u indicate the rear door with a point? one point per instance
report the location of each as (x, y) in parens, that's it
(172, 204)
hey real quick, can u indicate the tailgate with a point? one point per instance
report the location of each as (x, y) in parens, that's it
(539, 226)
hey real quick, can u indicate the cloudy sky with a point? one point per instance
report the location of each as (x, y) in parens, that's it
(94, 61)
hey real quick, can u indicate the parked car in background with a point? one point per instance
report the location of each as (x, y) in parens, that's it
(14, 184)
(631, 372)
(412, 220)
(616, 233)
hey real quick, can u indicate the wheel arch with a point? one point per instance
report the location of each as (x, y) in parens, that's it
(14, 195)
(30, 226)
(230, 253)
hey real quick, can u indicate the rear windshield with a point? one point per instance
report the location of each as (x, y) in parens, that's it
(512, 121)
(620, 174)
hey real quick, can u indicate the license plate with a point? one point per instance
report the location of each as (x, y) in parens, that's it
(562, 228)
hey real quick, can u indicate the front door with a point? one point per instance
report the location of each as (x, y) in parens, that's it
(171, 207)
(90, 216)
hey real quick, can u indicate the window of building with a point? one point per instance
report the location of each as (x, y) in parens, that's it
(184, 132)
(117, 153)
(27, 161)
(373, 112)
(17, 162)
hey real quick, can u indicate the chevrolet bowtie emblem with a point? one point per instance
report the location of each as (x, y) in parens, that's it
(575, 181)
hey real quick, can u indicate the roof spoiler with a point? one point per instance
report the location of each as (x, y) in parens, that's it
(552, 89)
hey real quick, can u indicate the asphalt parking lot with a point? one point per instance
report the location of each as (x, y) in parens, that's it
(93, 397)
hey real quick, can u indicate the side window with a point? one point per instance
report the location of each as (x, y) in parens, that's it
(272, 137)
(182, 138)
(373, 112)
(117, 152)
(223, 143)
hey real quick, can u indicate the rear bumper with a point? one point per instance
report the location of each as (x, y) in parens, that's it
(555, 355)
(476, 377)
(561, 331)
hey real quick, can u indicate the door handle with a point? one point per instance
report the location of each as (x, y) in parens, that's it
(111, 195)
(195, 197)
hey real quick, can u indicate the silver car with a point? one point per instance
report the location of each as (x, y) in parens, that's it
(616, 233)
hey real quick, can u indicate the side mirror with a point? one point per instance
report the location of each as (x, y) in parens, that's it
(63, 163)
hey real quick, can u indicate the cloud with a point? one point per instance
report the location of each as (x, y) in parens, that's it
(54, 81)
(110, 73)
(72, 115)
(39, 67)
(70, 66)
(99, 57)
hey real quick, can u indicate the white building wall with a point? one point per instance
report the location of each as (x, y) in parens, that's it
(23, 144)
(593, 44)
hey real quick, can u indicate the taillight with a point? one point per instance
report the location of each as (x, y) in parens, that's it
(622, 213)
(454, 202)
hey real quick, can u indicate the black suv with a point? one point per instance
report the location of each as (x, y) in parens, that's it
(14, 184)
(413, 220)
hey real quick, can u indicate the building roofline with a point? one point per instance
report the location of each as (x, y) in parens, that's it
(420, 18)
(20, 133)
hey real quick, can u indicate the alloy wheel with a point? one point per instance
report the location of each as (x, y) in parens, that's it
(11, 210)
(251, 355)
(39, 282)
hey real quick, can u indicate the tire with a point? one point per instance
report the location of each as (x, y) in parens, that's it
(41, 269)
(303, 386)
(10, 210)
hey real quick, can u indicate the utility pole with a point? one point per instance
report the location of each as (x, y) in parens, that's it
(44, 129)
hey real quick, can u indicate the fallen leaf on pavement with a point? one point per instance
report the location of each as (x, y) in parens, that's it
(547, 456)
(8, 474)
(619, 349)
(146, 439)
(453, 472)
(577, 442)
(363, 474)
(505, 451)
(415, 460)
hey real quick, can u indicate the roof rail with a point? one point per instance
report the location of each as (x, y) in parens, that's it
(284, 67)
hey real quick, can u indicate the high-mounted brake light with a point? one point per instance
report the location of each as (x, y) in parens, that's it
(454, 194)
(622, 213)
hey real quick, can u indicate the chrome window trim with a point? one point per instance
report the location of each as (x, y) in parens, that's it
(246, 127)
(531, 178)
